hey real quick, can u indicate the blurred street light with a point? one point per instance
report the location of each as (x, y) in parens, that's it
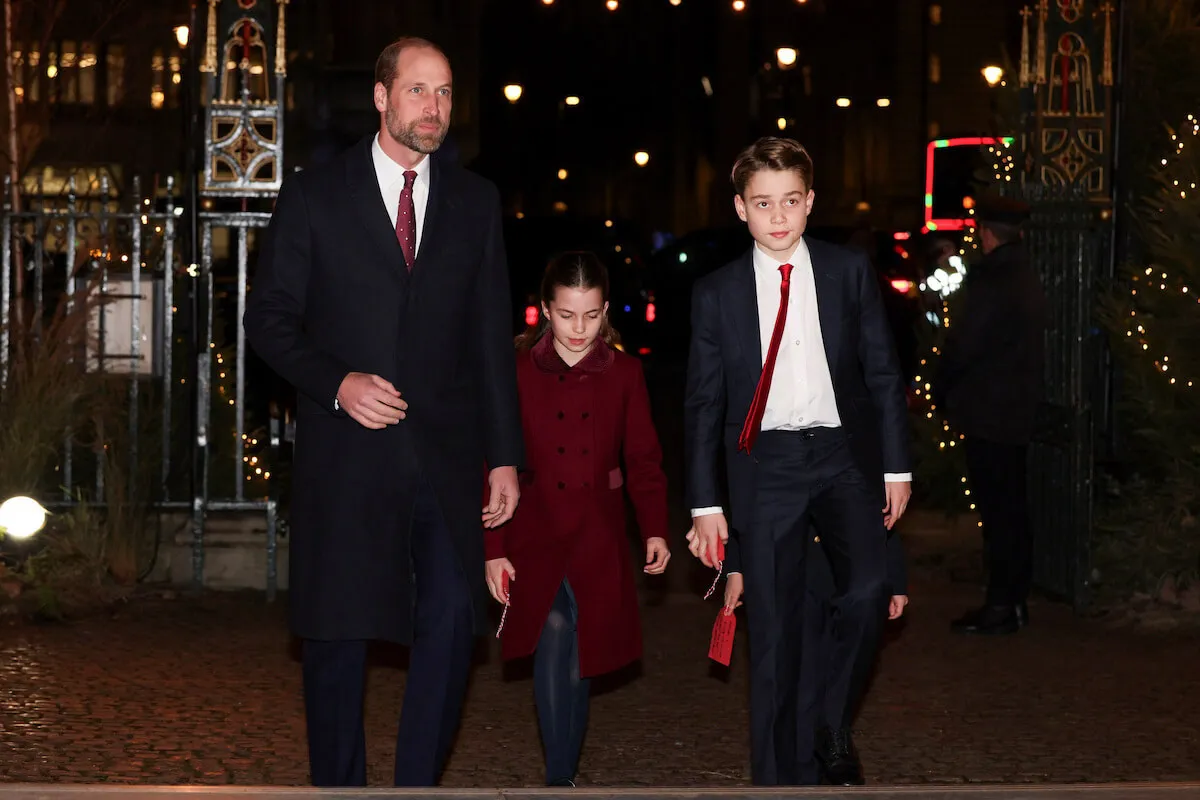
(739, 5)
(883, 102)
(572, 100)
(641, 158)
(992, 74)
(562, 174)
(786, 56)
(181, 35)
(843, 102)
(513, 92)
(781, 122)
(612, 5)
(21, 517)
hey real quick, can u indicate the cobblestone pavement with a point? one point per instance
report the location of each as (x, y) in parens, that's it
(208, 691)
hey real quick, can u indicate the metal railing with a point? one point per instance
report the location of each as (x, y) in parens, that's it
(119, 255)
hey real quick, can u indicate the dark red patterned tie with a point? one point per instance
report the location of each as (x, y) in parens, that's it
(758, 405)
(406, 220)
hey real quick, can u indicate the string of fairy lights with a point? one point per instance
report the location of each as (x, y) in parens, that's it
(255, 465)
(1003, 165)
(1162, 282)
(1153, 278)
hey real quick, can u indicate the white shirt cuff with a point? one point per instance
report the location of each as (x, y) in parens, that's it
(893, 477)
(706, 511)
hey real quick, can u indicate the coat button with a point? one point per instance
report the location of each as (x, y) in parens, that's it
(560, 415)
(585, 415)
(562, 378)
(562, 450)
(562, 485)
(586, 484)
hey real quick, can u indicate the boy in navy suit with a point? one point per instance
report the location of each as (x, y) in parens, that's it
(793, 372)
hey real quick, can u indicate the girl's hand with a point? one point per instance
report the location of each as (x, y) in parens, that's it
(657, 555)
(896, 606)
(495, 571)
(734, 585)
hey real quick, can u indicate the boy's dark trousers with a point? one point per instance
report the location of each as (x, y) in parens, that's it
(805, 479)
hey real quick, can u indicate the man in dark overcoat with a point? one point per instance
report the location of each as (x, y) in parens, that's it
(990, 385)
(382, 295)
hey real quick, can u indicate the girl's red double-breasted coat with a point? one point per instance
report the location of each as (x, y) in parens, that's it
(582, 424)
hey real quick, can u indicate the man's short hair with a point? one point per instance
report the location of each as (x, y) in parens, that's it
(774, 153)
(385, 66)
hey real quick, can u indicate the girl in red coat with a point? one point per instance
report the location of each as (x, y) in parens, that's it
(572, 600)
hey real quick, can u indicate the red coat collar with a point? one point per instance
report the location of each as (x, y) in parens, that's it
(547, 359)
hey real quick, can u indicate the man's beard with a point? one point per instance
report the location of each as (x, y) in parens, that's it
(407, 134)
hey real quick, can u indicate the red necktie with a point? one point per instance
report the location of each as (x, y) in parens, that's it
(758, 405)
(406, 220)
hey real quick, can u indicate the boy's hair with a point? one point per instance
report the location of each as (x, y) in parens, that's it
(772, 152)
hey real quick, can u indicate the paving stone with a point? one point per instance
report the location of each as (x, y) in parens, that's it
(207, 691)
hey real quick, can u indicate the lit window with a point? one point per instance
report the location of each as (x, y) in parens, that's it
(87, 73)
(114, 64)
(157, 68)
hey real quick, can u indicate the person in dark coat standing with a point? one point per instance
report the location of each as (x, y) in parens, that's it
(989, 387)
(382, 296)
(571, 597)
(792, 371)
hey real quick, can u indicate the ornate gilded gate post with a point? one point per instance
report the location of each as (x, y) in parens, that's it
(1067, 70)
(245, 61)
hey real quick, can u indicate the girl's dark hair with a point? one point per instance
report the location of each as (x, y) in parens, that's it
(577, 269)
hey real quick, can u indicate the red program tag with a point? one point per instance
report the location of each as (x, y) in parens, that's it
(720, 649)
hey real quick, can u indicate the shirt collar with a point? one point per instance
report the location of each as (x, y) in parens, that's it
(766, 263)
(389, 172)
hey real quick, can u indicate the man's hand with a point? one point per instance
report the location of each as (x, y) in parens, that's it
(897, 495)
(371, 401)
(503, 496)
(702, 539)
(495, 570)
(657, 555)
(896, 606)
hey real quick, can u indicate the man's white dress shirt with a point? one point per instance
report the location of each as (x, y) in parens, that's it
(391, 183)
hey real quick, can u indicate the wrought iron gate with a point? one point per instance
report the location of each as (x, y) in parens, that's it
(1067, 239)
(208, 446)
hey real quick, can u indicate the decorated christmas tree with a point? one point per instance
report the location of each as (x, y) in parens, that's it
(1147, 538)
(1148, 532)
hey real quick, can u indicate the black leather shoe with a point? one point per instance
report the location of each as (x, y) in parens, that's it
(562, 782)
(991, 620)
(838, 758)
